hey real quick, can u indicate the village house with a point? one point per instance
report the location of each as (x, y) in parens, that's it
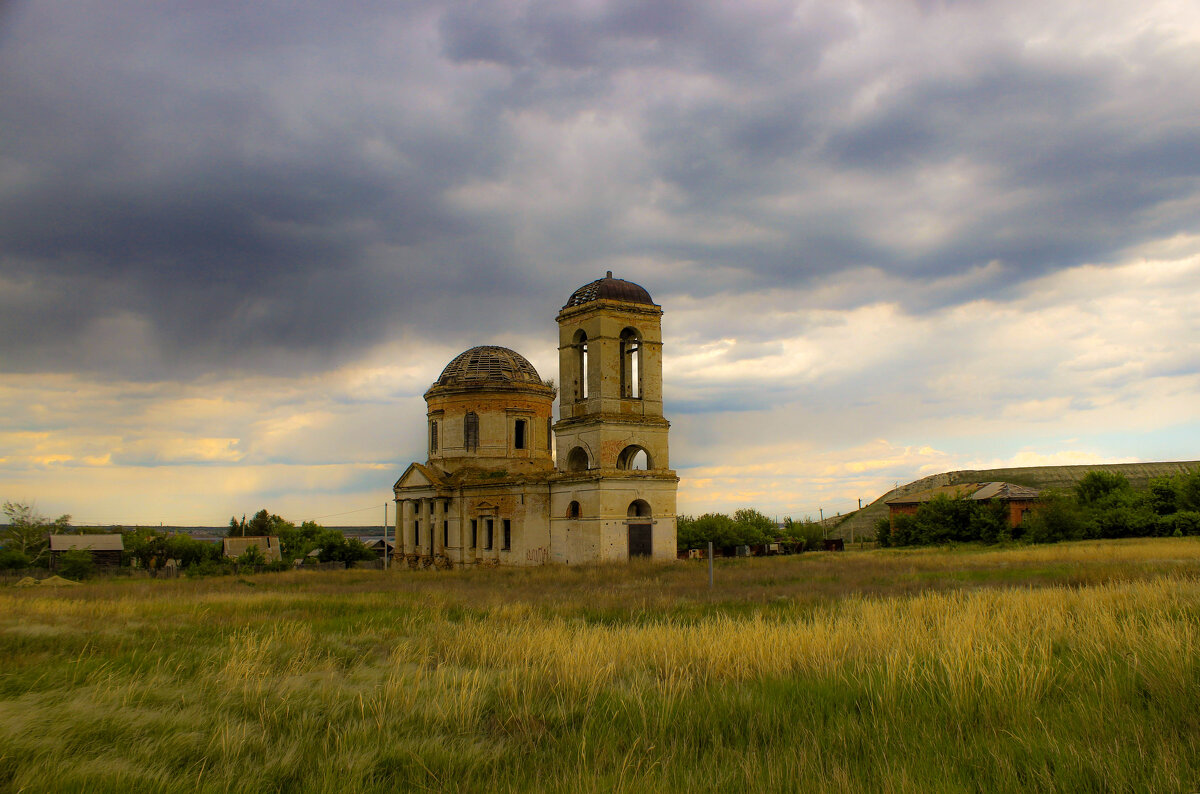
(106, 550)
(504, 484)
(237, 546)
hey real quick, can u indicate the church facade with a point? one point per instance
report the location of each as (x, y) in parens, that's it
(504, 484)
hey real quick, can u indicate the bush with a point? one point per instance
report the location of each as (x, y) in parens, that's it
(1056, 518)
(13, 558)
(76, 564)
(210, 567)
(1186, 522)
(252, 557)
(883, 531)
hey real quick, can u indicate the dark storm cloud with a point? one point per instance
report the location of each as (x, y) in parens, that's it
(227, 186)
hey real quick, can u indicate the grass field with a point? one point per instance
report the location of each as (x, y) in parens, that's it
(1064, 668)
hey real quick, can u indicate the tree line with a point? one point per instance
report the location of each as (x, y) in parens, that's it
(26, 544)
(746, 527)
(1103, 504)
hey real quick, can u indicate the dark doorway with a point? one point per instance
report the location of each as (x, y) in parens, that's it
(639, 540)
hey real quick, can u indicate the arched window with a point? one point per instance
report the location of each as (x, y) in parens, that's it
(573, 510)
(471, 431)
(577, 460)
(433, 440)
(638, 508)
(634, 457)
(581, 352)
(631, 364)
(519, 434)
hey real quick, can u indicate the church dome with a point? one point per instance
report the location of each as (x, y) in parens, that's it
(488, 365)
(609, 288)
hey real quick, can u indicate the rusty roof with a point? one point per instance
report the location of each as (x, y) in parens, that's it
(979, 491)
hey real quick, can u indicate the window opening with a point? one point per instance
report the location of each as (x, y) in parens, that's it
(519, 435)
(581, 347)
(474, 533)
(489, 535)
(634, 457)
(433, 439)
(573, 510)
(445, 534)
(471, 431)
(507, 535)
(416, 533)
(577, 460)
(631, 364)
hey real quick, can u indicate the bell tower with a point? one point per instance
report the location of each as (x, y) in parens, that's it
(614, 481)
(610, 364)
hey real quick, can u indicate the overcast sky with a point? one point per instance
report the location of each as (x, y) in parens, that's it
(239, 240)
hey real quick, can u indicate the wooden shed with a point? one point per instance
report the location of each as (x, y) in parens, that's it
(105, 549)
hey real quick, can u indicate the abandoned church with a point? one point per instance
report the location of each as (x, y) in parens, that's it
(493, 490)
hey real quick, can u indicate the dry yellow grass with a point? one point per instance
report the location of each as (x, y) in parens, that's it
(360, 682)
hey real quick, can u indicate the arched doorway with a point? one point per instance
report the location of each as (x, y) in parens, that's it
(641, 536)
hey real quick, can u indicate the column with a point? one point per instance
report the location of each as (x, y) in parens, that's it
(403, 524)
(398, 535)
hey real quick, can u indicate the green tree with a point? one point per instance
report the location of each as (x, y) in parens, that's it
(1100, 485)
(754, 527)
(29, 533)
(1056, 517)
(189, 551)
(1189, 490)
(297, 542)
(260, 524)
(1163, 495)
(148, 546)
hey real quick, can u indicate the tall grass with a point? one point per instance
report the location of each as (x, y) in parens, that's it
(353, 683)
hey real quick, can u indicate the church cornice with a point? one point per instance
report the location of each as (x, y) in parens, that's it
(611, 419)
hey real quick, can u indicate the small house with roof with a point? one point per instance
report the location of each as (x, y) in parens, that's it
(238, 545)
(106, 550)
(1018, 499)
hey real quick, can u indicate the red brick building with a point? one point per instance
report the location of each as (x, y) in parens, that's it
(1017, 498)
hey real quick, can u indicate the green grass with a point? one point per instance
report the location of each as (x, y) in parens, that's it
(1066, 668)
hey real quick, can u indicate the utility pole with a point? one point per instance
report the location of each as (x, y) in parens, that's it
(385, 546)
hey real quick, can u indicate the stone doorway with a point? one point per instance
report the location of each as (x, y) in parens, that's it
(639, 541)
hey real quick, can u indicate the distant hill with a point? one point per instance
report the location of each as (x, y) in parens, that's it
(219, 532)
(861, 523)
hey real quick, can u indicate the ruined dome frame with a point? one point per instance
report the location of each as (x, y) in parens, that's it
(609, 288)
